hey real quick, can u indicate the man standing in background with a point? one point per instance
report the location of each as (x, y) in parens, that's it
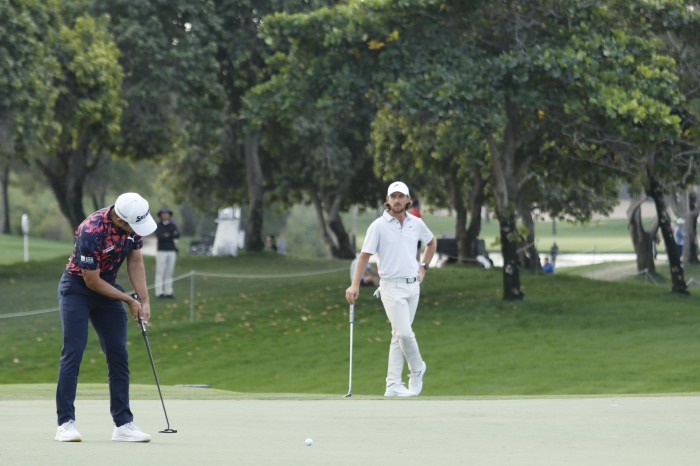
(166, 253)
(394, 238)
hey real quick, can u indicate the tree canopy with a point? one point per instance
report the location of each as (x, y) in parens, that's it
(515, 106)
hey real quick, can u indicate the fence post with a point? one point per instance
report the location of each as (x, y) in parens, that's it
(192, 295)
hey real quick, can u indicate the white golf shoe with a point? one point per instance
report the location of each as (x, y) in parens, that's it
(415, 380)
(398, 389)
(67, 432)
(129, 432)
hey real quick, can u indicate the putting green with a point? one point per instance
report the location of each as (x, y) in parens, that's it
(225, 428)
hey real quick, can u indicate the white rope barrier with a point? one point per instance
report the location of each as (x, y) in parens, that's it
(256, 277)
(191, 274)
(29, 313)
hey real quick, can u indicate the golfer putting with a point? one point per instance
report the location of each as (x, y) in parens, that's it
(88, 292)
(394, 238)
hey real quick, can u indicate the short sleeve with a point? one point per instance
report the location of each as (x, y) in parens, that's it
(87, 247)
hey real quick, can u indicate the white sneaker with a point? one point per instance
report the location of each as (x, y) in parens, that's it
(67, 432)
(129, 432)
(398, 389)
(415, 380)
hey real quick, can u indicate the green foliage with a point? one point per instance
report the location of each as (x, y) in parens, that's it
(27, 93)
(89, 104)
(352, 93)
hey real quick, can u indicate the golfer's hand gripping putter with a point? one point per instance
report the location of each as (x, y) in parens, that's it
(142, 324)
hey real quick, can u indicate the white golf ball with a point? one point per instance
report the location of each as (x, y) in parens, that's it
(309, 442)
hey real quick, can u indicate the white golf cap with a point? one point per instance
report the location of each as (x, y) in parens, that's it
(134, 210)
(397, 187)
(680, 221)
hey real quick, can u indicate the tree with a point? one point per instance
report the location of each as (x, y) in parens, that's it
(609, 86)
(87, 111)
(678, 27)
(534, 80)
(187, 70)
(445, 163)
(637, 116)
(315, 119)
(27, 94)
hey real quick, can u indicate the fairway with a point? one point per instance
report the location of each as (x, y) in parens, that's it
(605, 430)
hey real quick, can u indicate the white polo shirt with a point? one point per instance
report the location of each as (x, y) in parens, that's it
(396, 245)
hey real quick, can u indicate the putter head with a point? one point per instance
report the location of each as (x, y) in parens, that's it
(348, 395)
(168, 431)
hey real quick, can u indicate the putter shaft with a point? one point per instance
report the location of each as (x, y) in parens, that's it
(352, 325)
(142, 324)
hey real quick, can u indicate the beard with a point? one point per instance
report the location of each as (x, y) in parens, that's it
(398, 208)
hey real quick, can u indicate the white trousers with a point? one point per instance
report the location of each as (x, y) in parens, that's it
(400, 300)
(165, 265)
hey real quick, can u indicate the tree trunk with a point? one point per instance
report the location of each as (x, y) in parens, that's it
(642, 240)
(7, 152)
(511, 269)
(460, 209)
(693, 230)
(476, 202)
(254, 237)
(343, 249)
(4, 185)
(66, 173)
(529, 250)
(693, 240)
(678, 284)
(509, 173)
(333, 232)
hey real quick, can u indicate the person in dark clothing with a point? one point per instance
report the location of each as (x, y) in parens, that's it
(88, 292)
(166, 253)
(554, 252)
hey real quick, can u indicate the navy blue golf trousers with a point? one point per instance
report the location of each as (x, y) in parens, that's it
(77, 306)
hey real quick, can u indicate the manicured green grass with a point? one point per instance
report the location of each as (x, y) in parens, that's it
(571, 335)
(12, 249)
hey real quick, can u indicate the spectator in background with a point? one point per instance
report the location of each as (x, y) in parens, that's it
(553, 253)
(282, 245)
(655, 244)
(679, 236)
(415, 211)
(271, 242)
(166, 253)
(369, 278)
(415, 208)
(547, 267)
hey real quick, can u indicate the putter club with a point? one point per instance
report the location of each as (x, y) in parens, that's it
(352, 324)
(142, 324)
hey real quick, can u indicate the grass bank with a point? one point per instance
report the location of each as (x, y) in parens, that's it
(263, 324)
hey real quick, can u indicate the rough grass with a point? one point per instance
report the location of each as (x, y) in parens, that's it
(571, 335)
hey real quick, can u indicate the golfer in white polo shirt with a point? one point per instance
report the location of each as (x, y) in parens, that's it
(394, 238)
